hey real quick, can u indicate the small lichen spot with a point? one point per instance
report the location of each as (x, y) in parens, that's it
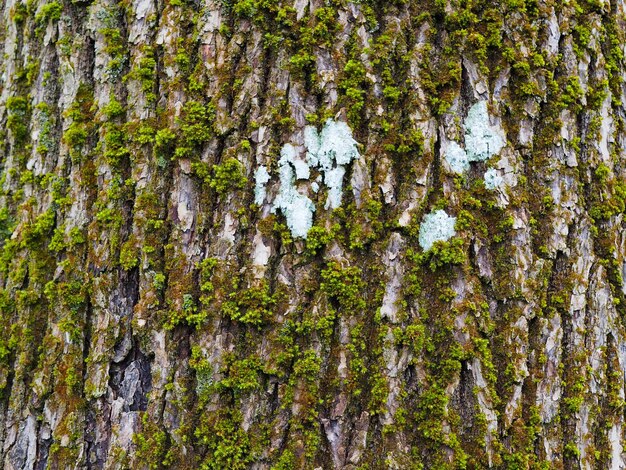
(493, 180)
(261, 177)
(482, 140)
(456, 158)
(436, 226)
(297, 208)
(330, 151)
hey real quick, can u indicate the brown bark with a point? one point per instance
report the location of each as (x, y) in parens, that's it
(154, 316)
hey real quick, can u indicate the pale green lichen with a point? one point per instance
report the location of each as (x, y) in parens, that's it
(436, 226)
(482, 140)
(456, 158)
(330, 151)
(297, 208)
(261, 177)
(493, 180)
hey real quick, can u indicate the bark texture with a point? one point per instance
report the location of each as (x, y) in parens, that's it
(154, 316)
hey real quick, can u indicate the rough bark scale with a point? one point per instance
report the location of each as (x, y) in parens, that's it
(153, 316)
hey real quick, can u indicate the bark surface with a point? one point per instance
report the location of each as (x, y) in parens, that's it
(159, 311)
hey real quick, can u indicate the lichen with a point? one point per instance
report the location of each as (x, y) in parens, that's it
(261, 177)
(482, 140)
(297, 208)
(330, 151)
(436, 226)
(457, 158)
(493, 180)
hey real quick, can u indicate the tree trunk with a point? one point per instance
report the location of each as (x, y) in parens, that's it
(313, 234)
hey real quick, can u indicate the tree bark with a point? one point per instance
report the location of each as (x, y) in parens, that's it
(458, 301)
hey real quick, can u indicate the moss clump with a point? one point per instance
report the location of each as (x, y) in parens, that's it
(224, 177)
(152, 443)
(81, 113)
(164, 143)
(227, 444)
(115, 43)
(188, 313)
(113, 109)
(129, 256)
(317, 238)
(241, 375)
(39, 228)
(145, 72)
(254, 306)
(196, 127)
(228, 176)
(354, 87)
(18, 108)
(49, 12)
(345, 285)
(445, 253)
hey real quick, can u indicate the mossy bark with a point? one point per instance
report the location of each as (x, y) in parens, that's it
(154, 316)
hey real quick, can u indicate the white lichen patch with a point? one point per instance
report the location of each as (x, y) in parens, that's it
(297, 208)
(482, 140)
(436, 226)
(289, 155)
(302, 170)
(261, 177)
(457, 158)
(334, 181)
(312, 144)
(493, 180)
(330, 151)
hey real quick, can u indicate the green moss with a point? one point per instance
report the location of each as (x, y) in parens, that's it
(20, 12)
(443, 254)
(18, 108)
(345, 286)
(365, 224)
(158, 281)
(286, 461)
(152, 443)
(254, 306)
(196, 127)
(113, 109)
(81, 114)
(571, 450)
(308, 366)
(144, 71)
(57, 242)
(164, 138)
(412, 336)
(129, 256)
(115, 43)
(353, 85)
(228, 176)
(6, 224)
(73, 296)
(188, 313)
(317, 238)
(240, 375)
(207, 289)
(45, 120)
(379, 391)
(227, 444)
(49, 12)
(39, 228)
